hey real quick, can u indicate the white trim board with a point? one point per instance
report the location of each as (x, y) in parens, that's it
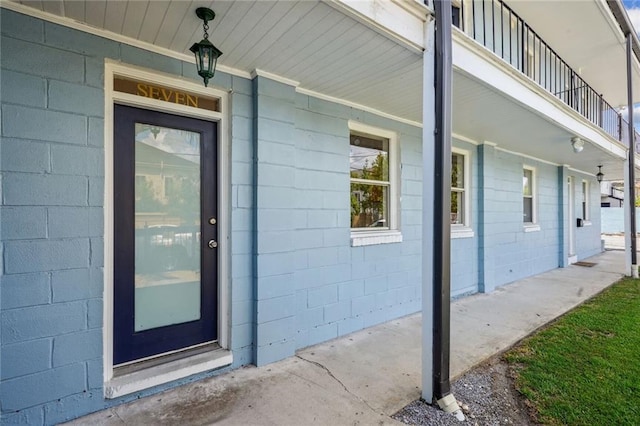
(466, 139)
(582, 172)
(379, 113)
(530, 157)
(519, 154)
(275, 77)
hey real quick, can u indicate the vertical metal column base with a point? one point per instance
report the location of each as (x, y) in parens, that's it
(448, 404)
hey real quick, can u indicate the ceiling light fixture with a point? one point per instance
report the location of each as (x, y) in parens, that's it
(206, 53)
(577, 144)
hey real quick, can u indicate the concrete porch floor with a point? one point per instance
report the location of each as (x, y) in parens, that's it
(367, 376)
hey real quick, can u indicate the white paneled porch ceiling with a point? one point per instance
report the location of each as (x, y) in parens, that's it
(309, 42)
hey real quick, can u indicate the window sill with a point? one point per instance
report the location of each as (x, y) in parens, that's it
(368, 238)
(531, 227)
(145, 378)
(462, 232)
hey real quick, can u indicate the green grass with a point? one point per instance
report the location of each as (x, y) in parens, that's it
(584, 369)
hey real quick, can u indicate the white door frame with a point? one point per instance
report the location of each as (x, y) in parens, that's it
(115, 68)
(572, 258)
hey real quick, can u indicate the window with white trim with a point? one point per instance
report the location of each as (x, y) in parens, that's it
(459, 189)
(370, 181)
(529, 196)
(585, 201)
(374, 185)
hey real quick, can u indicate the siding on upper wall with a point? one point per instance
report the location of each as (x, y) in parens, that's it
(52, 216)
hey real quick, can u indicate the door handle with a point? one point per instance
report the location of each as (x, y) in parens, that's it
(213, 244)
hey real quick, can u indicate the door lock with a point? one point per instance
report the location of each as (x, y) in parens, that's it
(213, 244)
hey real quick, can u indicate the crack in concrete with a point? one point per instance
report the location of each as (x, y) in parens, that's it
(340, 382)
(115, 411)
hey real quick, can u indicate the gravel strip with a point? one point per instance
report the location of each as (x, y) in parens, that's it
(486, 394)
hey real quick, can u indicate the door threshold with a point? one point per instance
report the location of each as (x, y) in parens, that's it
(157, 371)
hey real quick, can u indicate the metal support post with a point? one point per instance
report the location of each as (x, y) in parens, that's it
(441, 253)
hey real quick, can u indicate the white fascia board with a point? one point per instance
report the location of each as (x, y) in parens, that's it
(398, 20)
(479, 63)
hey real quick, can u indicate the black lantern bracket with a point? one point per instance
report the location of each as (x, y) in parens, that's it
(205, 14)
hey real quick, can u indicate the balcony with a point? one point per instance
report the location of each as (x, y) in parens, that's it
(611, 189)
(501, 30)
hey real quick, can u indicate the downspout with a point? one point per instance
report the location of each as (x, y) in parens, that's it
(631, 161)
(441, 254)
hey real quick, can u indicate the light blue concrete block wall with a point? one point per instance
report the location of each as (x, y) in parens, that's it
(52, 217)
(275, 200)
(508, 253)
(339, 288)
(242, 211)
(310, 284)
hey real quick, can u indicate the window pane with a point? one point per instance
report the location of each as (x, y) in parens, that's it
(528, 210)
(369, 206)
(369, 158)
(457, 171)
(167, 226)
(457, 207)
(527, 182)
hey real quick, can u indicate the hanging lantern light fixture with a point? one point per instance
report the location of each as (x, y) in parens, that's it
(600, 175)
(205, 52)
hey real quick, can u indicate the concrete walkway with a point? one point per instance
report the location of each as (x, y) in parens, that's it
(367, 376)
(614, 241)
